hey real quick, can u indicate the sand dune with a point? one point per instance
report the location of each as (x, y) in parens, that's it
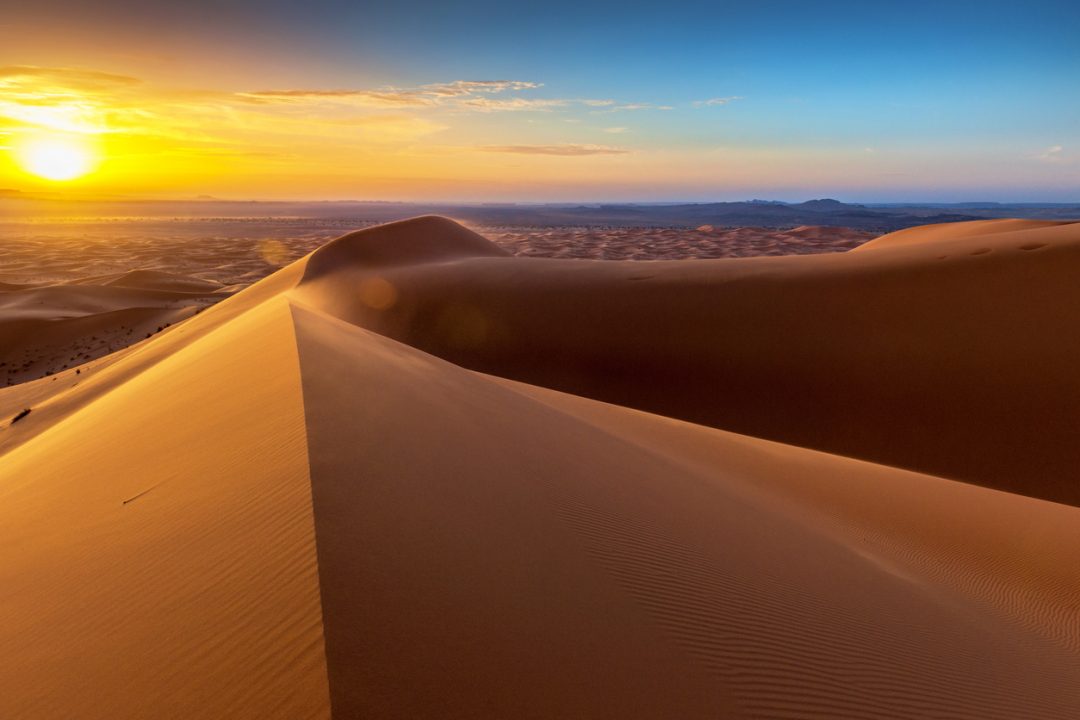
(190, 264)
(953, 357)
(928, 234)
(704, 242)
(276, 509)
(51, 327)
(242, 251)
(152, 280)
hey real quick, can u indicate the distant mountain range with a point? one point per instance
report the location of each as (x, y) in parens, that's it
(765, 213)
(814, 212)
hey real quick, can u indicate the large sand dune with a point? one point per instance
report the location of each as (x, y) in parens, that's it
(955, 356)
(289, 506)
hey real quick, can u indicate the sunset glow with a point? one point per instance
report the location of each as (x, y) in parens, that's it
(373, 106)
(56, 158)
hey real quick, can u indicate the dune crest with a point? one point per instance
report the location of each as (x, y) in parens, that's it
(423, 240)
(319, 520)
(956, 231)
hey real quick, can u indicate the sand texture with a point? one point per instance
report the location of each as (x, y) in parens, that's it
(136, 277)
(47, 328)
(411, 475)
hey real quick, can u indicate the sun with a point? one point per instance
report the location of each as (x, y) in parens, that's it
(56, 158)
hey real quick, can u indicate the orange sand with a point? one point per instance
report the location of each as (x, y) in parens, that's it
(277, 509)
(51, 327)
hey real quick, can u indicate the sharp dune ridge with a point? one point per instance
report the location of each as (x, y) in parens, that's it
(412, 476)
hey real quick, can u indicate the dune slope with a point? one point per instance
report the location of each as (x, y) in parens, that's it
(49, 328)
(529, 554)
(270, 511)
(954, 357)
(159, 545)
(955, 231)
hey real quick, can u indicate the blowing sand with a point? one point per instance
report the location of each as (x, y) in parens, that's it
(411, 475)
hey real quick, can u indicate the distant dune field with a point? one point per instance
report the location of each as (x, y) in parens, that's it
(411, 475)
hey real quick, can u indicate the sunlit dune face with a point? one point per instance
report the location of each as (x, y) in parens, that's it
(56, 158)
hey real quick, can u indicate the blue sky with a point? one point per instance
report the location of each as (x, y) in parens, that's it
(871, 100)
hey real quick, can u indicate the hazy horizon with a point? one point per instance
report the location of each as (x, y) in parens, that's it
(915, 200)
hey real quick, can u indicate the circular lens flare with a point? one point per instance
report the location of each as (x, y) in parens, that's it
(56, 158)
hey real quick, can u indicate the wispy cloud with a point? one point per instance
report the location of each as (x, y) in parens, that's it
(468, 94)
(628, 107)
(294, 128)
(60, 98)
(1055, 154)
(14, 75)
(468, 87)
(34, 99)
(560, 150)
(483, 104)
(366, 98)
(713, 102)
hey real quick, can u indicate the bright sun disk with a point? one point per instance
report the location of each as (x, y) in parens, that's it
(56, 158)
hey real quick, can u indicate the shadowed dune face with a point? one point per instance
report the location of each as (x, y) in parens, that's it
(953, 356)
(535, 554)
(274, 511)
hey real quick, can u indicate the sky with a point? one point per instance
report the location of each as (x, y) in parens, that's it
(556, 101)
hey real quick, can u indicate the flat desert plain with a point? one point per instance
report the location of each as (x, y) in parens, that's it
(416, 473)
